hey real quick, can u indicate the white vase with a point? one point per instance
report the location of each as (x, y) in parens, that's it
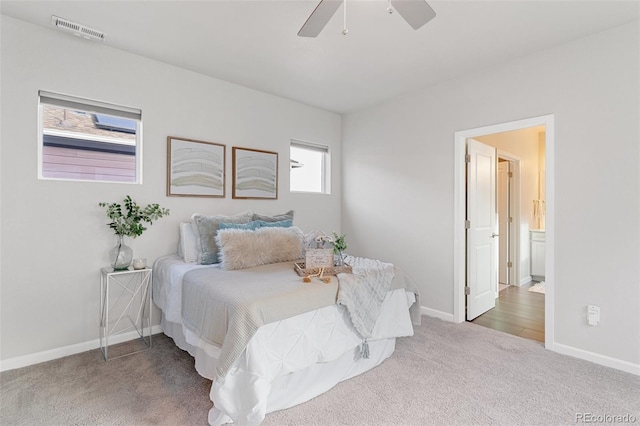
(121, 255)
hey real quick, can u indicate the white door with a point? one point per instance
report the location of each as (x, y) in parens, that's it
(482, 259)
(504, 168)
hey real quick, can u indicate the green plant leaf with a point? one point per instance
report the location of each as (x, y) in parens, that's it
(130, 223)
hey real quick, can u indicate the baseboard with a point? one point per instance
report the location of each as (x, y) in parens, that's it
(525, 280)
(607, 361)
(604, 360)
(444, 316)
(36, 358)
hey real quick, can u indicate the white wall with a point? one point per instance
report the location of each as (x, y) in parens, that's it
(54, 235)
(398, 180)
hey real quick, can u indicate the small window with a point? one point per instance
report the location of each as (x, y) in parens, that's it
(81, 139)
(310, 168)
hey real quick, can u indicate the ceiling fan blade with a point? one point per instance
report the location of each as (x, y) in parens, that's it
(319, 18)
(415, 12)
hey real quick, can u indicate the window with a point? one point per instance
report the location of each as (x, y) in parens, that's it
(81, 139)
(310, 169)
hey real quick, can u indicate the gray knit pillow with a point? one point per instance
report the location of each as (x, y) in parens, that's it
(276, 218)
(207, 227)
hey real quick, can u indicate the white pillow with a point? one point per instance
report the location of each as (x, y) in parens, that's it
(244, 248)
(188, 244)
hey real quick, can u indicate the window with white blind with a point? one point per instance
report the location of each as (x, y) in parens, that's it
(310, 168)
(82, 139)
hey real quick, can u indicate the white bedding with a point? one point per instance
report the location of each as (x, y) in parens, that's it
(286, 362)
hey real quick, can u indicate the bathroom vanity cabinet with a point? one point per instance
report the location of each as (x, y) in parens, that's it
(537, 254)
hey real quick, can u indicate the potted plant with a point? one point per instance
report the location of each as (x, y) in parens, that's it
(339, 245)
(128, 220)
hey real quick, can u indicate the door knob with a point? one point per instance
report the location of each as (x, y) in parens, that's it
(495, 235)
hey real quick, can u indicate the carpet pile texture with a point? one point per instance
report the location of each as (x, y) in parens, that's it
(447, 374)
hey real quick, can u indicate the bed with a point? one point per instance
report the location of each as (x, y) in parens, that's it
(285, 360)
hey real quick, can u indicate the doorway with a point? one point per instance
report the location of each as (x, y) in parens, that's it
(514, 310)
(460, 264)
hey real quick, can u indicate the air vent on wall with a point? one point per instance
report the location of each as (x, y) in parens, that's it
(77, 29)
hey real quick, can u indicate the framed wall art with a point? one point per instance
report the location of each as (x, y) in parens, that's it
(255, 174)
(195, 168)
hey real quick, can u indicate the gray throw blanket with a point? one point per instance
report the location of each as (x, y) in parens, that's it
(363, 293)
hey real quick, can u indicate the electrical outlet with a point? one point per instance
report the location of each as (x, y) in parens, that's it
(593, 314)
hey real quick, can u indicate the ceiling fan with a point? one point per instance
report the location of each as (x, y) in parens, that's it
(415, 12)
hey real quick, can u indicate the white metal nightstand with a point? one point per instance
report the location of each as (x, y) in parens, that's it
(125, 306)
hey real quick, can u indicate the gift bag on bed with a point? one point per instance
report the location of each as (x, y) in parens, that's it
(318, 250)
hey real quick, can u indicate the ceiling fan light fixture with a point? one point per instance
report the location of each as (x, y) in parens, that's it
(345, 31)
(415, 12)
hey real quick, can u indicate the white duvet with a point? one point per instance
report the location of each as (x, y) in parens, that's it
(286, 362)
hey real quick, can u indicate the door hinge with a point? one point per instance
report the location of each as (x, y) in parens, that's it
(467, 290)
(467, 158)
(467, 224)
(510, 220)
(510, 174)
(509, 264)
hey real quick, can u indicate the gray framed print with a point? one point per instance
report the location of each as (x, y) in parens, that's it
(255, 174)
(195, 168)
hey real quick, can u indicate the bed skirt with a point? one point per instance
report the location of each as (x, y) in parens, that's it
(311, 366)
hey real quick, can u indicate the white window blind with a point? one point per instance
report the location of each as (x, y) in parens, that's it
(89, 105)
(310, 146)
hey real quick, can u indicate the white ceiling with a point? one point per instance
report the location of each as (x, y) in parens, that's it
(255, 43)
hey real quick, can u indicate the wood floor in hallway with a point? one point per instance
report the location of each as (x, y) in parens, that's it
(518, 311)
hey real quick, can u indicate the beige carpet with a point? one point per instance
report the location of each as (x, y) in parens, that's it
(538, 287)
(447, 374)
